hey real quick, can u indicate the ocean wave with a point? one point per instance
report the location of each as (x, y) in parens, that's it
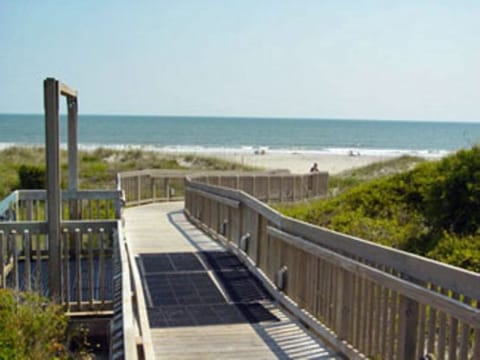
(248, 149)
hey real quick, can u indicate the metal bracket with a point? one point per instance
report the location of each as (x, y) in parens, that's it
(281, 278)
(244, 242)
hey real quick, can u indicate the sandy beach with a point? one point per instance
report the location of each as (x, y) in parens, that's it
(299, 163)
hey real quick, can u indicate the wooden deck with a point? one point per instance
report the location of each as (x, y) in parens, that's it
(201, 303)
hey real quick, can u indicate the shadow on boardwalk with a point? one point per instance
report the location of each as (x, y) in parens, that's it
(203, 303)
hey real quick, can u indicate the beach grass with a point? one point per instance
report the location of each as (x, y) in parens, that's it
(353, 177)
(98, 168)
(430, 209)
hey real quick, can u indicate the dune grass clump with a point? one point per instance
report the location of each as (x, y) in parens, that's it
(350, 178)
(97, 168)
(31, 327)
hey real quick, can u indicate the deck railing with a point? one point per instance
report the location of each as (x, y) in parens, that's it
(366, 299)
(95, 267)
(28, 205)
(86, 246)
(69, 245)
(148, 186)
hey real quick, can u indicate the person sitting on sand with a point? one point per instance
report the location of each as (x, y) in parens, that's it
(314, 168)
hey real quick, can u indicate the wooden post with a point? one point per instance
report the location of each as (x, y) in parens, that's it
(167, 189)
(139, 188)
(281, 188)
(343, 288)
(240, 223)
(154, 192)
(77, 238)
(268, 189)
(294, 185)
(408, 317)
(72, 106)
(13, 246)
(52, 138)
(72, 155)
(27, 272)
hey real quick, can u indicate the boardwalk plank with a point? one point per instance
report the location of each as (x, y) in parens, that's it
(162, 229)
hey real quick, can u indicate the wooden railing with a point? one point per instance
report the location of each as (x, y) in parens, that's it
(76, 205)
(86, 246)
(69, 245)
(130, 340)
(86, 249)
(130, 333)
(95, 267)
(147, 186)
(365, 299)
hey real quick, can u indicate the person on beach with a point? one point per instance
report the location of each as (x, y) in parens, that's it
(314, 168)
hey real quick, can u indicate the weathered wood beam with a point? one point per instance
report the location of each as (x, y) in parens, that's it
(66, 90)
(52, 148)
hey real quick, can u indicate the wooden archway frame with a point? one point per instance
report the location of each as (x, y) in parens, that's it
(53, 89)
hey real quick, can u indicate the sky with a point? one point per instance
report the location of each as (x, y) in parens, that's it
(402, 60)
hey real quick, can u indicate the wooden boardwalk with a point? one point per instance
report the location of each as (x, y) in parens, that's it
(201, 302)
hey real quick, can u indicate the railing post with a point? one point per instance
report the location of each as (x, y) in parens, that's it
(72, 155)
(167, 189)
(139, 188)
(13, 247)
(27, 271)
(72, 105)
(268, 189)
(153, 190)
(407, 328)
(343, 288)
(294, 185)
(118, 204)
(281, 188)
(52, 137)
(240, 223)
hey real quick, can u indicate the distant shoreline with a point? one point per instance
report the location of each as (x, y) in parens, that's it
(333, 161)
(250, 150)
(301, 163)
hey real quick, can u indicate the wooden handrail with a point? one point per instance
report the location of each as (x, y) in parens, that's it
(147, 186)
(371, 299)
(421, 294)
(66, 90)
(68, 195)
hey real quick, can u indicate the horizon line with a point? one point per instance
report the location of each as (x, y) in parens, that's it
(269, 117)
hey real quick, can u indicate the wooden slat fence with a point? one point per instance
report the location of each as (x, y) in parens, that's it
(86, 249)
(366, 299)
(86, 246)
(76, 205)
(146, 186)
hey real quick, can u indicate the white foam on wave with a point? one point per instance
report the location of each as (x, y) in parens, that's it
(249, 149)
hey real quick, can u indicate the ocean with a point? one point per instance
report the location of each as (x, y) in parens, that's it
(178, 134)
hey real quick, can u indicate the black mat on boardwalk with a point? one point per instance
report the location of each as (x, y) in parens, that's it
(183, 289)
(184, 294)
(242, 286)
(221, 260)
(171, 262)
(198, 315)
